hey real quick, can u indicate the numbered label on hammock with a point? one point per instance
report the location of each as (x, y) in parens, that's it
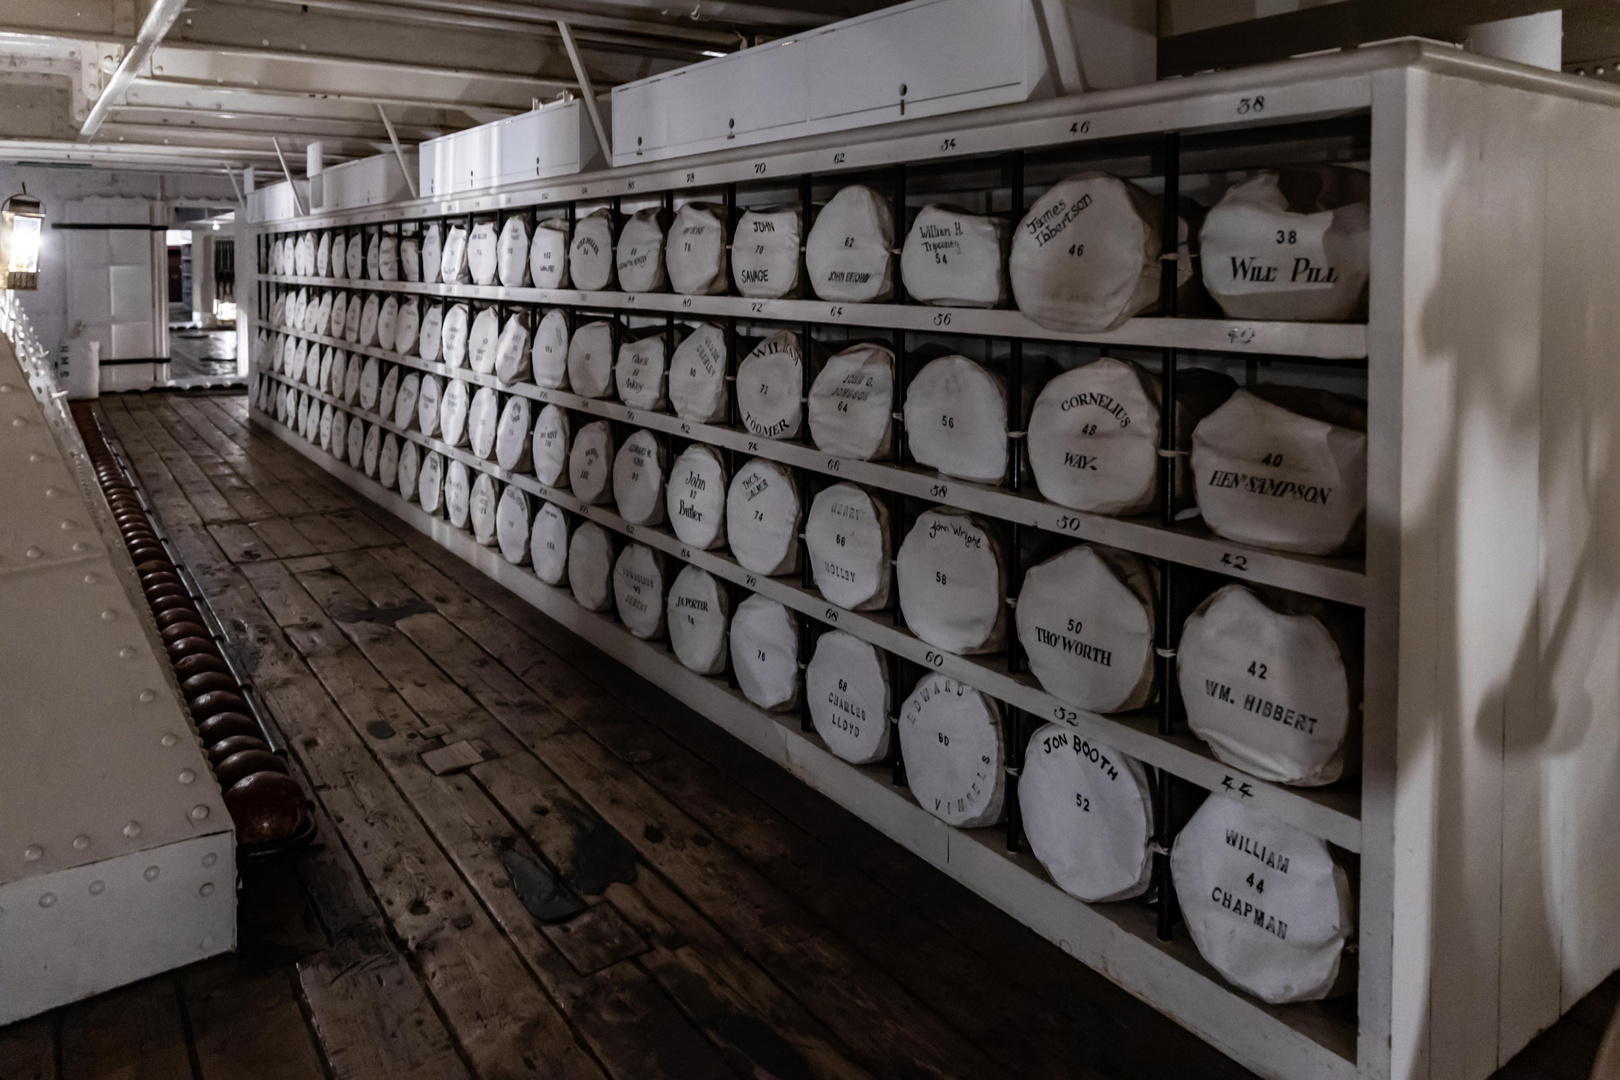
(639, 373)
(1088, 813)
(410, 460)
(698, 613)
(481, 341)
(432, 252)
(453, 412)
(512, 256)
(697, 375)
(639, 258)
(638, 590)
(590, 463)
(953, 582)
(638, 479)
(955, 258)
(847, 256)
(590, 255)
(770, 384)
(548, 545)
(763, 513)
(1268, 686)
(388, 323)
(548, 254)
(765, 653)
(847, 689)
(453, 336)
(512, 351)
(512, 435)
(353, 258)
(1086, 255)
(514, 522)
(485, 493)
(1284, 468)
(410, 258)
(429, 337)
(1086, 621)
(695, 254)
(339, 259)
(387, 461)
(1290, 245)
(374, 257)
(368, 321)
(427, 404)
(1094, 438)
(323, 256)
(370, 383)
(590, 360)
(457, 494)
(453, 260)
(696, 497)
(340, 431)
(950, 739)
(1264, 902)
(847, 538)
(852, 403)
(590, 567)
(956, 420)
(550, 355)
(339, 317)
(550, 446)
(389, 391)
(388, 258)
(325, 427)
(405, 401)
(430, 482)
(405, 328)
(765, 252)
(482, 422)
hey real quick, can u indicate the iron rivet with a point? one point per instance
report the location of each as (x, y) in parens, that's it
(147, 697)
(36, 457)
(210, 859)
(132, 830)
(66, 525)
(187, 776)
(90, 579)
(199, 812)
(17, 421)
(47, 899)
(97, 888)
(81, 842)
(5, 388)
(108, 615)
(80, 545)
(33, 853)
(33, 553)
(208, 941)
(207, 889)
(151, 873)
(127, 652)
(52, 492)
(168, 740)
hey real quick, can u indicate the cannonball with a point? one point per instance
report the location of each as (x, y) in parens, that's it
(266, 806)
(223, 725)
(196, 665)
(208, 682)
(235, 744)
(245, 763)
(207, 704)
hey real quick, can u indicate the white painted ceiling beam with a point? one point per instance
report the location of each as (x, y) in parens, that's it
(239, 102)
(158, 20)
(318, 127)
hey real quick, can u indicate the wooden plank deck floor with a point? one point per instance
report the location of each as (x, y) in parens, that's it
(736, 924)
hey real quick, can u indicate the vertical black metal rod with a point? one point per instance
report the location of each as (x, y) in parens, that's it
(806, 724)
(1016, 448)
(902, 451)
(1015, 766)
(1164, 797)
(733, 417)
(807, 210)
(899, 226)
(897, 760)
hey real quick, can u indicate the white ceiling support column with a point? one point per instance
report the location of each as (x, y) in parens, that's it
(241, 200)
(586, 90)
(157, 24)
(410, 181)
(297, 199)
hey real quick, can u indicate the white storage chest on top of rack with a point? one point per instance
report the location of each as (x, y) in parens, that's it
(1481, 821)
(553, 140)
(917, 59)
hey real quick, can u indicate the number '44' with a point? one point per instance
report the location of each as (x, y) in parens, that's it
(1257, 884)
